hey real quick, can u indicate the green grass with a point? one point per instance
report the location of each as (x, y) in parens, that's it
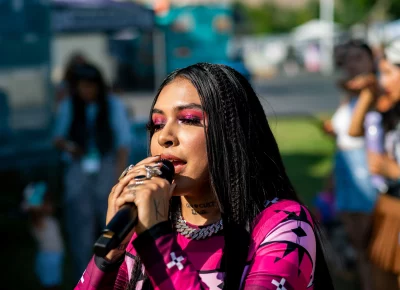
(306, 151)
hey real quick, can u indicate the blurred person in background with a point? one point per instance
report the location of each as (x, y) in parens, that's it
(291, 65)
(355, 196)
(384, 246)
(65, 88)
(312, 58)
(93, 132)
(45, 228)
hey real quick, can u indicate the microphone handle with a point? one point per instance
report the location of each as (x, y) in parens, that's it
(125, 219)
(116, 230)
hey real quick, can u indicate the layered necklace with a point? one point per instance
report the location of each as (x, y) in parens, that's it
(195, 233)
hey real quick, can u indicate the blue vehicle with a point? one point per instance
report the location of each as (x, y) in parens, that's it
(196, 33)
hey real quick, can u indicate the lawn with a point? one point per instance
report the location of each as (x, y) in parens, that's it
(306, 151)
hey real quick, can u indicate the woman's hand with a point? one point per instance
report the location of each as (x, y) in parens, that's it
(383, 165)
(361, 82)
(73, 149)
(69, 146)
(151, 197)
(327, 127)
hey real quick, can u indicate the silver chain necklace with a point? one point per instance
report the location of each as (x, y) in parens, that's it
(196, 234)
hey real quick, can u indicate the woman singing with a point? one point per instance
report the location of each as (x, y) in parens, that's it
(231, 218)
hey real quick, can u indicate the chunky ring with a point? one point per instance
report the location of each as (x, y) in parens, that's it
(152, 171)
(125, 172)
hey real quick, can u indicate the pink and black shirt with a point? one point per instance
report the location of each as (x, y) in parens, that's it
(281, 256)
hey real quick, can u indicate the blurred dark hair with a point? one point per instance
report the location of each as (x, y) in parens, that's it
(339, 54)
(356, 43)
(79, 131)
(391, 118)
(75, 60)
(241, 152)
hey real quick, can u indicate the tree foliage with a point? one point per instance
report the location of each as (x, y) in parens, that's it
(349, 12)
(270, 18)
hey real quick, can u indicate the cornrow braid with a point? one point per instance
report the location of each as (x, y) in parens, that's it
(234, 218)
(229, 111)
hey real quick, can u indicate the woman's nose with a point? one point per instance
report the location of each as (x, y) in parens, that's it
(167, 137)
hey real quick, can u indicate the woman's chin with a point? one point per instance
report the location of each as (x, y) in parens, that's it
(183, 186)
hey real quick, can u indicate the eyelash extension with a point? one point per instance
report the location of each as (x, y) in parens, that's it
(194, 121)
(150, 126)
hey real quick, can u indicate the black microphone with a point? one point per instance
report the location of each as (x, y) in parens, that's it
(125, 219)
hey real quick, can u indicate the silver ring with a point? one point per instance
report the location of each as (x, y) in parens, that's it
(139, 182)
(152, 171)
(125, 172)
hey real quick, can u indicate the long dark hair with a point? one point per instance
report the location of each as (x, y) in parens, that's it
(78, 130)
(244, 162)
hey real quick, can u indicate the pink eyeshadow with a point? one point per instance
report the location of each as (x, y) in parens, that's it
(158, 119)
(192, 114)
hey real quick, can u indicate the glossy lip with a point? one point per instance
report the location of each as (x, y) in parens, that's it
(174, 160)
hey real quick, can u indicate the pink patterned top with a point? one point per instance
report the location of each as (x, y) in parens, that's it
(281, 256)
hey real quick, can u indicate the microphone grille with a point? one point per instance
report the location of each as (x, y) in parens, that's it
(168, 170)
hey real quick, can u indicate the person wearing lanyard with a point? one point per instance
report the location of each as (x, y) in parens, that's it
(92, 130)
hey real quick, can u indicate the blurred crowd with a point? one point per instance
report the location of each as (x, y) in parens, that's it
(361, 202)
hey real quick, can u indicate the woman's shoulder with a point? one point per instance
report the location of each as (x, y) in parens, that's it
(277, 214)
(279, 210)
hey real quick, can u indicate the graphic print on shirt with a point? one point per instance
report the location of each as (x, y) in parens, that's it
(83, 279)
(296, 235)
(213, 279)
(279, 285)
(176, 261)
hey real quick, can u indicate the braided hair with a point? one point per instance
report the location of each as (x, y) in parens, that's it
(244, 162)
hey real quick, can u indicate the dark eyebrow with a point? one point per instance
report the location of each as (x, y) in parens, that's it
(180, 108)
(157, 111)
(189, 106)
